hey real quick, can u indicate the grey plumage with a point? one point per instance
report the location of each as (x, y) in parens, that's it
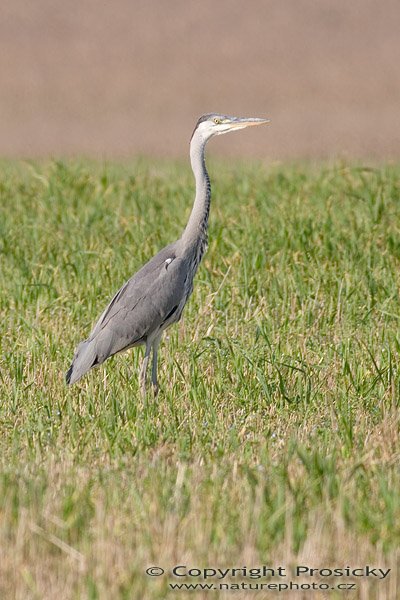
(154, 298)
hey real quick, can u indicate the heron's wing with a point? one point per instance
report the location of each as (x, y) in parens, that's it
(134, 288)
(141, 306)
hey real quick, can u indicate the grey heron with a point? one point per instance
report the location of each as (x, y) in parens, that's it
(154, 298)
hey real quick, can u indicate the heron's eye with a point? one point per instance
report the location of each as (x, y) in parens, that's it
(217, 121)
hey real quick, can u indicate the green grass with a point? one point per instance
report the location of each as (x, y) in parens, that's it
(274, 439)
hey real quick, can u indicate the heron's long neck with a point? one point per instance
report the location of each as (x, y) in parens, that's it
(196, 230)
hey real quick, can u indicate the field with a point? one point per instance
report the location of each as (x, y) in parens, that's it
(274, 439)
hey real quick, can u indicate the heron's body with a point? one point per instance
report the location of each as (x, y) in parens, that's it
(154, 298)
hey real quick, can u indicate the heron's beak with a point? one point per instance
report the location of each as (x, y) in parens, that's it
(240, 123)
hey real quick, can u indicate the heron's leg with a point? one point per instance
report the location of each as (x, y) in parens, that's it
(142, 376)
(154, 382)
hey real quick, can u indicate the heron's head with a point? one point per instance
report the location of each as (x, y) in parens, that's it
(216, 124)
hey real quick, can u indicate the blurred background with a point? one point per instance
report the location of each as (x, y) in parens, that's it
(126, 77)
